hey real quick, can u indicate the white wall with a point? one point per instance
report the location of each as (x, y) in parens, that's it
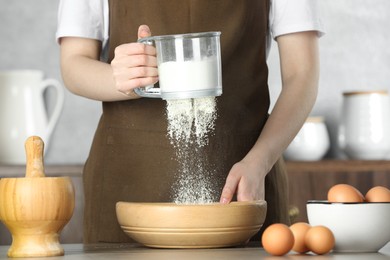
(355, 55)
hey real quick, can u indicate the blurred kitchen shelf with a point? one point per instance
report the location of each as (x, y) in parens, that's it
(312, 180)
(338, 165)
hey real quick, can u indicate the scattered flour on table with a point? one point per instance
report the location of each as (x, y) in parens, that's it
(190, 122)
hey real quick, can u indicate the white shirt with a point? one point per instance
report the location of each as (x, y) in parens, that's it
(286, 16)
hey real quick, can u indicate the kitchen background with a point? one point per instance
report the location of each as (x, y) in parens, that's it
(355, 55)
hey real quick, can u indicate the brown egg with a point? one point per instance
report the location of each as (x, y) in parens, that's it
(378, 194)
(277, 239)
(319, 240)
(299, 231)
(344, 193)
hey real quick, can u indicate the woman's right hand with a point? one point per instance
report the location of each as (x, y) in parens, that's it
(135, 65)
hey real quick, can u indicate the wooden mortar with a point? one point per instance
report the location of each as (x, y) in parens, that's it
(36, 208)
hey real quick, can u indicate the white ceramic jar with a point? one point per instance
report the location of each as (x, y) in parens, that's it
(311, 143)
(364, 129)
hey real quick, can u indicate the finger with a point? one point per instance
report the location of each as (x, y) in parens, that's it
(144, 31)
(129, 85)
(134, 61)
(126, 74)
(250, 190)
(134, 48)
(131, 94)
(245, 196)
(128, 78)
(229, 189)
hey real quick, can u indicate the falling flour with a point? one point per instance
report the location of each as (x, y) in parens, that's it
(190, 122)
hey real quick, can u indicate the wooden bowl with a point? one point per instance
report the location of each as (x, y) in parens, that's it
(170, 225)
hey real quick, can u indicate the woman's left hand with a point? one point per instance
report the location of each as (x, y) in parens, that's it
(246, 180)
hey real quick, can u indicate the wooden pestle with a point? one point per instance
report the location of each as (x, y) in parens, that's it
(34, 155)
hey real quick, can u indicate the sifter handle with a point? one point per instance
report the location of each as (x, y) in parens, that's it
(148, 91)
(34, 155)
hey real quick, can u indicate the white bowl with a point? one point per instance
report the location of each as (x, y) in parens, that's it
(357, 227)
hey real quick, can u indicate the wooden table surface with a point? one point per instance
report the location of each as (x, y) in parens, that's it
(133, 251)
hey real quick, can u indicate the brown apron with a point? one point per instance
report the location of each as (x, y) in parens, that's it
(131, 158)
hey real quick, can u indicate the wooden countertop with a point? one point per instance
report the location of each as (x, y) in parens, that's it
(133, 251)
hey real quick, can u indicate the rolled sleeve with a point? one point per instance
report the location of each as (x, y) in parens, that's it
(288, 16)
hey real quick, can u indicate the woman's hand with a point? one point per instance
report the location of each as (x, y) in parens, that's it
(246, 180)
(135, 65)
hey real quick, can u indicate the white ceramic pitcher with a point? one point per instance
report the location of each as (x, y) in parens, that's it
(364, 130)
(23, 111)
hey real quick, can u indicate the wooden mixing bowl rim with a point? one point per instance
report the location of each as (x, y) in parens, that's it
(215, 204)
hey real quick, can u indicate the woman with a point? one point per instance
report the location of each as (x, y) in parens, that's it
(131, 157)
